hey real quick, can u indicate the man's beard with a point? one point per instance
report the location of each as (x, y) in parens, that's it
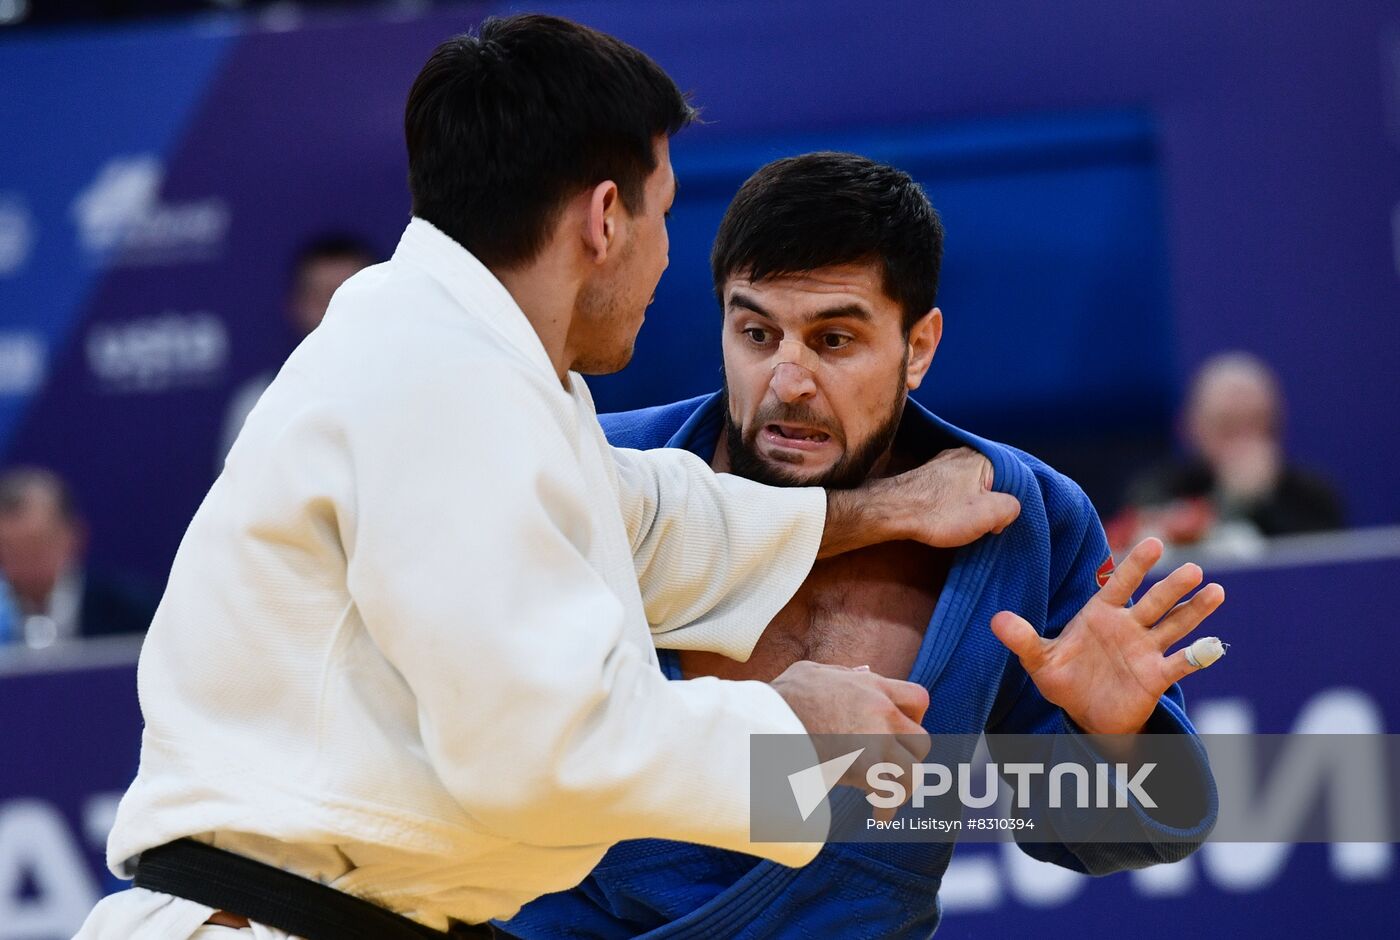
(847, 473)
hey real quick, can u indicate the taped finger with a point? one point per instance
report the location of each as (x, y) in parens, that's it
(1197, 656)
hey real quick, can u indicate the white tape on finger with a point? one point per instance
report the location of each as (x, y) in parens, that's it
(1205, 651)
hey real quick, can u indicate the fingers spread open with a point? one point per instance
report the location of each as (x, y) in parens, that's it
(1017, 635)
(1128, 576)
(1178, 667)
(1188, 616)
(1166, 594)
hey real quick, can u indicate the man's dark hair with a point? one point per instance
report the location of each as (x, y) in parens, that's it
(504, 126)
(820, 209)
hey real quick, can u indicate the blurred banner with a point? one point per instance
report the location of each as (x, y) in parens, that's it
(1125, 191)
(1310, 654)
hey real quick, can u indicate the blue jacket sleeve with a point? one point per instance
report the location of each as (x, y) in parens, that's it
(1079, 551)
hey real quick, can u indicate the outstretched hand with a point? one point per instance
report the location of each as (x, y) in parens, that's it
(1109, 666)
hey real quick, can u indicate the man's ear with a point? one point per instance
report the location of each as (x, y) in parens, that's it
(600, 231)
(923, 343)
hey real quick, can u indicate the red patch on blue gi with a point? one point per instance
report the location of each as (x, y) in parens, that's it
(1105, 571)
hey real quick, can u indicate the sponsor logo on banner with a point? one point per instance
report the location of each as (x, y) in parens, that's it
(156, 354)
(979, 880)
(16, 234)
(47, 885)
(122, 220)
(21, 363)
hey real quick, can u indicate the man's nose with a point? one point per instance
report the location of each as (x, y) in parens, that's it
(792, 383)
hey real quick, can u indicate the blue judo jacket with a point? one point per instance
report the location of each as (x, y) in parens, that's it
(1045, 566)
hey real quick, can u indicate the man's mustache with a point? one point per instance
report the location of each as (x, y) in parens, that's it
(799, 413)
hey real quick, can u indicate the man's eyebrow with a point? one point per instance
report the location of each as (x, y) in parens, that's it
(739, 299)
(842, 312)
(845, 311)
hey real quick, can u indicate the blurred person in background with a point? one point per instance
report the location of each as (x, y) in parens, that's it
(1235, 485)
(321, 266)
(50, 595)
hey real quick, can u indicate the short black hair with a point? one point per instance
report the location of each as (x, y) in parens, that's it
(504, 126)
(821, 209)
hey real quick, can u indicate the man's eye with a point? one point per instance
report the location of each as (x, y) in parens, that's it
(835, 340)
(757, 335)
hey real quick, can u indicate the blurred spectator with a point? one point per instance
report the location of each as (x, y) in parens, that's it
(1236, 484)
(50, 595)
(319, 270)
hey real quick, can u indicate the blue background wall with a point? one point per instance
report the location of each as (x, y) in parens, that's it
(1127, 189)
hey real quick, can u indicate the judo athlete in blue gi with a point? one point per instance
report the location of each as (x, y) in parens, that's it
(826, 267)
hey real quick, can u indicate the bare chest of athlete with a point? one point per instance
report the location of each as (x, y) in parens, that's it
(865, 608)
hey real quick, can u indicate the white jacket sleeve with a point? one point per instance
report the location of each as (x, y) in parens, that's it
(539, 709)
(717, 556)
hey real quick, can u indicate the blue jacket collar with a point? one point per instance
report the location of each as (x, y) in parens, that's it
(973, 565)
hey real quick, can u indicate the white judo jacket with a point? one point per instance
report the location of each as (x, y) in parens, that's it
(407, 643)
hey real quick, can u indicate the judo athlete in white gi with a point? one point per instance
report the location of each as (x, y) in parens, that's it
(406, 648)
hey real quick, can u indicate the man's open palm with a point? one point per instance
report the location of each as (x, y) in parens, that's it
(1109, 666)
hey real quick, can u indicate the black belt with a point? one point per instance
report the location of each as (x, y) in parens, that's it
(276, 898)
